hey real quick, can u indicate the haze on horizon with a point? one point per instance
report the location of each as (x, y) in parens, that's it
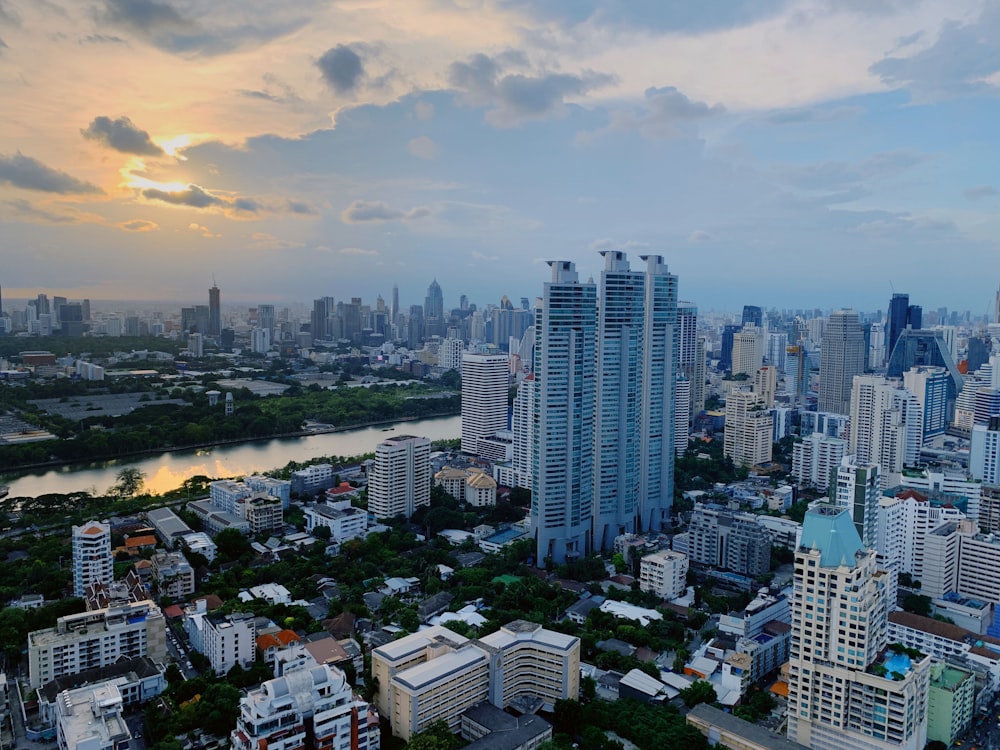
(795, 153)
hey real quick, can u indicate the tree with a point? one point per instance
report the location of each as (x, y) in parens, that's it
(917, 604)
(322, 532)
(701, 691)
(436, 736)
(129, 482)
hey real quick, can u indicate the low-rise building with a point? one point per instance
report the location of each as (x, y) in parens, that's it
(344, 521)
(664, 573)
(173, 574)
(312, 479)
(94, 639)
(226, 640)
(262, 512)
(91, 718)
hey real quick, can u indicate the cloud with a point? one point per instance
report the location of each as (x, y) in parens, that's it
(357, 251)
(423, 110)
(665, 113)
(422, 147)
(518, 97)
(980, 191)
(700, 236)
(233, 206)
(364, 211)
(139, 225)
(8, 16)
(812, 114)
(102, 39)
(849, 181)
(203, 231)
(48, 213)
(897, 226)
(342, 68)
(24, 172)
(960, 61)
(476, 255)
(266, 241)
(301, 208)
(607, 243)
(163, 26)
(194, 197)
(122, 135)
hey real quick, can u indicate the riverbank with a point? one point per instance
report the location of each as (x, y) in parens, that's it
(21, 470)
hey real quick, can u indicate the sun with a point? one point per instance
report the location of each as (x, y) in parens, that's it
(174, 146)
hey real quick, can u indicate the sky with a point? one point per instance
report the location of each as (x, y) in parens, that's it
(787, 153)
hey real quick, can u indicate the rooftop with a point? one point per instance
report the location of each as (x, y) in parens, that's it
(829, 529)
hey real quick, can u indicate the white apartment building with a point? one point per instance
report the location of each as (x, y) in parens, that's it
(90, 718)
(816, 458)
(664, 573)
(173, 574)
(309, 701)
(92, 559)
(226, 640)
(846, 689)
(97, 638)
(904, 521)
(435, 675)
(958, 558)
(484, 397)
(984, 453)
(886, 426)
(226, 493)
(344, 520)
(947, 482)
(400, 479)
(748, 350)
(747, 435)
(450, 354)
(261, 512)
(765, 383)
(524, 430)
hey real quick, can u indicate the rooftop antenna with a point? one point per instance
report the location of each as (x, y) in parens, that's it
(890, 286)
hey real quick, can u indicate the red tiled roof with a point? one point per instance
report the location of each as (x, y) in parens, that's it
(173, 611)
(141, 541)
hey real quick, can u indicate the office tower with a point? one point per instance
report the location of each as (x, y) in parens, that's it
(85, 309)
(132, 325)
(524, 431)
(841, 358)
(698, 379)
(765, 383)
(796, 372)
(434, 321)
(856, 487)
(92, 559)
(753, 315)
(916, 348)
(846, 689)
(72, 320)
(415, 327)
(901, 316)
(214, 311)
(565, 387)
(930, 386)
(201, 317)
(484, 397)
(984, 453)
(747, 436)
(876, 346)
(42, 305)
(400, 481)
(816, 458)
(260, 340)
(394, 310)
(319, 321)
(265, 319)
(726, 352)
(777, 345)
(815, 328)
(509, 323)
(748, 351)
(196, 345)
(979, 350)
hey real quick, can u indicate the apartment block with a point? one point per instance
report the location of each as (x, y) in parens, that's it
(343, 519)
(664, 573)
(226, 640)
(749, 424)
(261, 511)
(173, 574)
(816, 457)
(97, 638)
(950, 703)
(92, 559)
(311, 705)
(437, 674)
(725, 539)
(400, 479)
(90, 718)
(312, 479)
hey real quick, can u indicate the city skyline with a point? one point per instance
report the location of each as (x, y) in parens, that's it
(750, 146)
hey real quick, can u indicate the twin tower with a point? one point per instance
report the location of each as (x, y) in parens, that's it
(606, 362)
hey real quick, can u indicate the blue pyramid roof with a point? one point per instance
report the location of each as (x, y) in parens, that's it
(829, 529)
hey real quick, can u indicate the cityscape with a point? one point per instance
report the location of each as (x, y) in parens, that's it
(499, 375)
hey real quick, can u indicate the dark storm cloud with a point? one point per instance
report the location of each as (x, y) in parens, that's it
(24, 172)
(518, 96)
(342, 68)
(122, 135)
(163, 26)
(366, 211)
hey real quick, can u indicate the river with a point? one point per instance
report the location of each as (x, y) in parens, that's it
(167, 471)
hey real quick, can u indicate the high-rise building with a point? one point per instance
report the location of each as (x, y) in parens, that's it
(394, 310)
(984, 453)
(902, 315)
(400, 481)
(753, 315)
(320, 320)
(434, 322)
(886, 425)
(484, 397)
(605, 395)
(857, 488)
(876, 346)
(266, 319)
(765, 383)
(691, 355)
(565, 391)
(524, 431)
(930, 386)
(928, 348)
(749, 424)
(816, 458)
(726, 350)
(214, 311)
(847, 688)
(92, 559)
(777, 344)
(450, 354)
(748, 350)
(841, 358)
